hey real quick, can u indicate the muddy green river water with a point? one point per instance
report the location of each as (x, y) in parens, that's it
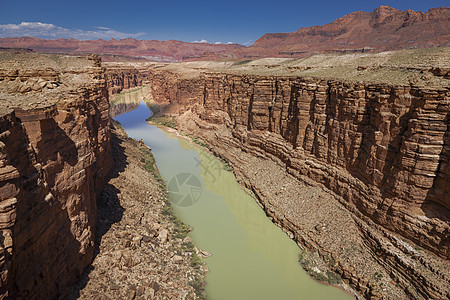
(251, 257)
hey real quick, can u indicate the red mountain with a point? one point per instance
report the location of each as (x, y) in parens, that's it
(153, 50)
(385, 28)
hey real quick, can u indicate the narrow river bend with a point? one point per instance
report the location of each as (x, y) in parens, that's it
(251, 257)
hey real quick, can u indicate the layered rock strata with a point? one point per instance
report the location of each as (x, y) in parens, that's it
(381, 150)
(54, 156)
(122, 77)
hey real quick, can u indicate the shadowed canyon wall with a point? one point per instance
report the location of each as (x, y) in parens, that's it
(54, 156)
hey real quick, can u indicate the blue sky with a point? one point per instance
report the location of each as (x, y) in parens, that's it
(215, 21)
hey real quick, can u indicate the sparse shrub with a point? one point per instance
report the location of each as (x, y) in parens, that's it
(188, 247)
(226, 165)
(199, 142)
(196, 261)
(163, 120)
(198, 285)
(333, 278)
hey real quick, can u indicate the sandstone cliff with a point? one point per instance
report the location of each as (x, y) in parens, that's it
(120, 77)
(381, 149)
(54, 155)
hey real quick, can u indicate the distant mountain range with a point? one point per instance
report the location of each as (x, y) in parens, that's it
(385, 28)
(125, 48)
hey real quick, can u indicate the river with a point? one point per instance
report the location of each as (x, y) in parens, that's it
(251, 257)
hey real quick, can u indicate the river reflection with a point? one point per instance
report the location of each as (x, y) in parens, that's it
(251, 257)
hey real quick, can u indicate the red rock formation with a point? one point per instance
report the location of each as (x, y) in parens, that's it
(383, 29)
(54, 156)
(153, 50)
(124, 77)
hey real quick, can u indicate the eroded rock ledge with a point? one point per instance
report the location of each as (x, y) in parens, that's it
(373, 158)
(54, 156)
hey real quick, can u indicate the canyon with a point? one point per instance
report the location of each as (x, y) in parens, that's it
(383, 29)
(77, 197)
(364, 137)
(348, 154)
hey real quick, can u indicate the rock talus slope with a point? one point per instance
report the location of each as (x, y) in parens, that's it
(54, 156)
(142, 253)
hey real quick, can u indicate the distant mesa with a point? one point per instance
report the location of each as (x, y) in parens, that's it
(384, 29)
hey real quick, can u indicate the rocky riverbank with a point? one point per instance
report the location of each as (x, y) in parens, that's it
(142, 251)
(339, 242)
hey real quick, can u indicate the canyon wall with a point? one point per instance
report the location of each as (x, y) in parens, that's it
(119, 78)
(375, 157)
(384, 149)
(381, 150)
(54, 156)
(165, 86)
